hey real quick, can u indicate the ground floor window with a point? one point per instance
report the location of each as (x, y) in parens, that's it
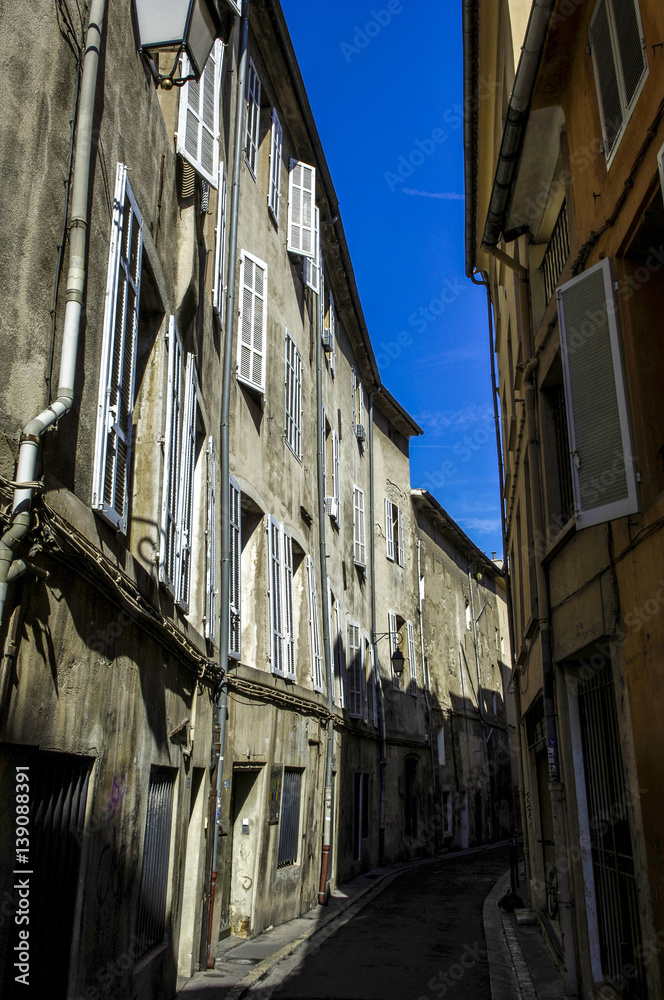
(289, 824)
(151, 923)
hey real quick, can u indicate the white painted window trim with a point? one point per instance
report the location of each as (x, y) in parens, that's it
(219, 288)
(276, 146)
(189, 106)
(257, 342)
(253, 122)
(293, 397)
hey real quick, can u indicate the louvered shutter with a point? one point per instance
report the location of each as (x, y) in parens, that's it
(394, 643)
(340, 661)
(235, 5)
(336, 491)
(354, 670)
(311, 266)
(112, 461)
(186, 492)
(321, 297)
(235, 594)
(253, 117)
(324, 450)
(630, 45)
(301, 205)
(602, 467)
(359, 544)
(389, 529)
(211, 544)
(412, 665)
(276, 145)
(353, 397)
(219, 286)
(317, 667)
(400, 543)
(198, 125)
(606, 76)
(253, 321)
(293, 397)
(172, 448)
(288, 628)
(276, 598)
(373, 713)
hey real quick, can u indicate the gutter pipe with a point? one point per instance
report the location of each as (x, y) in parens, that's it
(224, 587)
(76, 277)
(374, 642)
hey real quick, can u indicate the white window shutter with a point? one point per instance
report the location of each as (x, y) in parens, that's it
(411, 657)
(317, 665)
(301, 205)
(172, 448)
(373, 686)
(276, 146)
(211, 544)
(253, 118)
(336, 491)
(340, 661)
(323, 446)
(354, 670)
(186, 492)
(359, 543)
(253, 321)
(394, 643)
(321, 297)
(353, 391)
(219, 284)
(235, 631)
(276, 598)
(400, 543)
(363, 676)
(606, 75)
(288, 627)
(293, 397)
(389, 529)
(311, 265)
(198, 125)
(112, 460)
(603, 470)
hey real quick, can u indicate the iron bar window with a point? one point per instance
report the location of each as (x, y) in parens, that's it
(151, 923)
(289, 825)
(556, 253)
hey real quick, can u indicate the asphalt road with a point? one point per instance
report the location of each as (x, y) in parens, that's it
(422, 938)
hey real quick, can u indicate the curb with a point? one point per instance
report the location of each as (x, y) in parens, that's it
(510, 978)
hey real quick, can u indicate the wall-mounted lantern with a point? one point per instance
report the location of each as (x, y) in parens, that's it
(177, 26)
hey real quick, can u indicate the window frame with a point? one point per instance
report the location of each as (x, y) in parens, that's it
(249, 381)
(355, 670)
(253, 120)
(293, 397)
(196, 160)
(301, 197)
(276, 150)
(314, 626)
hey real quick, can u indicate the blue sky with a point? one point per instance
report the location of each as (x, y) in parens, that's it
(385, 84)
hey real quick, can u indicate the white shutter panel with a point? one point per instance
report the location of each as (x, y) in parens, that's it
(301, 205)
(276, 598)
(394, 644)
(400, 545)
(276, 145)
(323, 446)
(340, 658)
(373, 687)
(112, 461)
(353, 390)
(289, 637)
(389, 529)
(311, 267)
(172, 447)
(198, 125)
(359, 544)
(219, 285)
(253, 117)
(354, 670)
(253, 321)
(630, 46)
(603, 467)
(606, 76)
(186, 497)
(315, 632)
(211, 546)
(336, 492)
(411, 657)
(235, 631)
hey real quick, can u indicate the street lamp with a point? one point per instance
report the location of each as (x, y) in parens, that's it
(397, 657)
(178, 26)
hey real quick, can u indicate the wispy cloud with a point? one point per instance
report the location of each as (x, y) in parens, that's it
(444, 421)
(480, 525)
(441, 195)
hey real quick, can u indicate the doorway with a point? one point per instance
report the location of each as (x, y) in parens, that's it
(247, 786)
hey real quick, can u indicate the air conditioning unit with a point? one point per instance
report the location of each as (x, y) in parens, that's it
(360, 433)
(332, 507)
(327, 340)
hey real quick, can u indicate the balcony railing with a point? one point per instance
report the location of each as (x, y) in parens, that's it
(556, 253)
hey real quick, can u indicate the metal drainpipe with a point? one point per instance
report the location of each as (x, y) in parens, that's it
(480, 701)
(322, 520)
(374, 642)
(556, 789)
(76, 275)
(224, 589)
(434, 766)
(484, 281)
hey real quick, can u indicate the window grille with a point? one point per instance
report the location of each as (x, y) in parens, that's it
(556, 253)
(151, 922)
(289, 823)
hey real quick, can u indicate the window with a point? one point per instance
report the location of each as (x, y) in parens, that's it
(394, 532)
(358, 407)
(359, 543)
(235, 632)
(253, 118)
(316, 656)
(289, 819)
(281, 600)
(113, 442)
(372, 704)
(210, 620)
(301, 205)
(293, 421)
(332, 484)
(151, 921)
(441, 746)
(356, 668)
(468, 617)
(177, 502)
(619, 57)
(198, 125)
(361, 814)
(603, 474)
(311, 265)
(393, 628)
(253, 321)
(276, 145)
(219, 285)
(412, 665)
(336, 628)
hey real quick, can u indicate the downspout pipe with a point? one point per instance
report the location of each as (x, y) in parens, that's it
(224, 583)
(379, 685)
(76, 276)
(327, 650)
